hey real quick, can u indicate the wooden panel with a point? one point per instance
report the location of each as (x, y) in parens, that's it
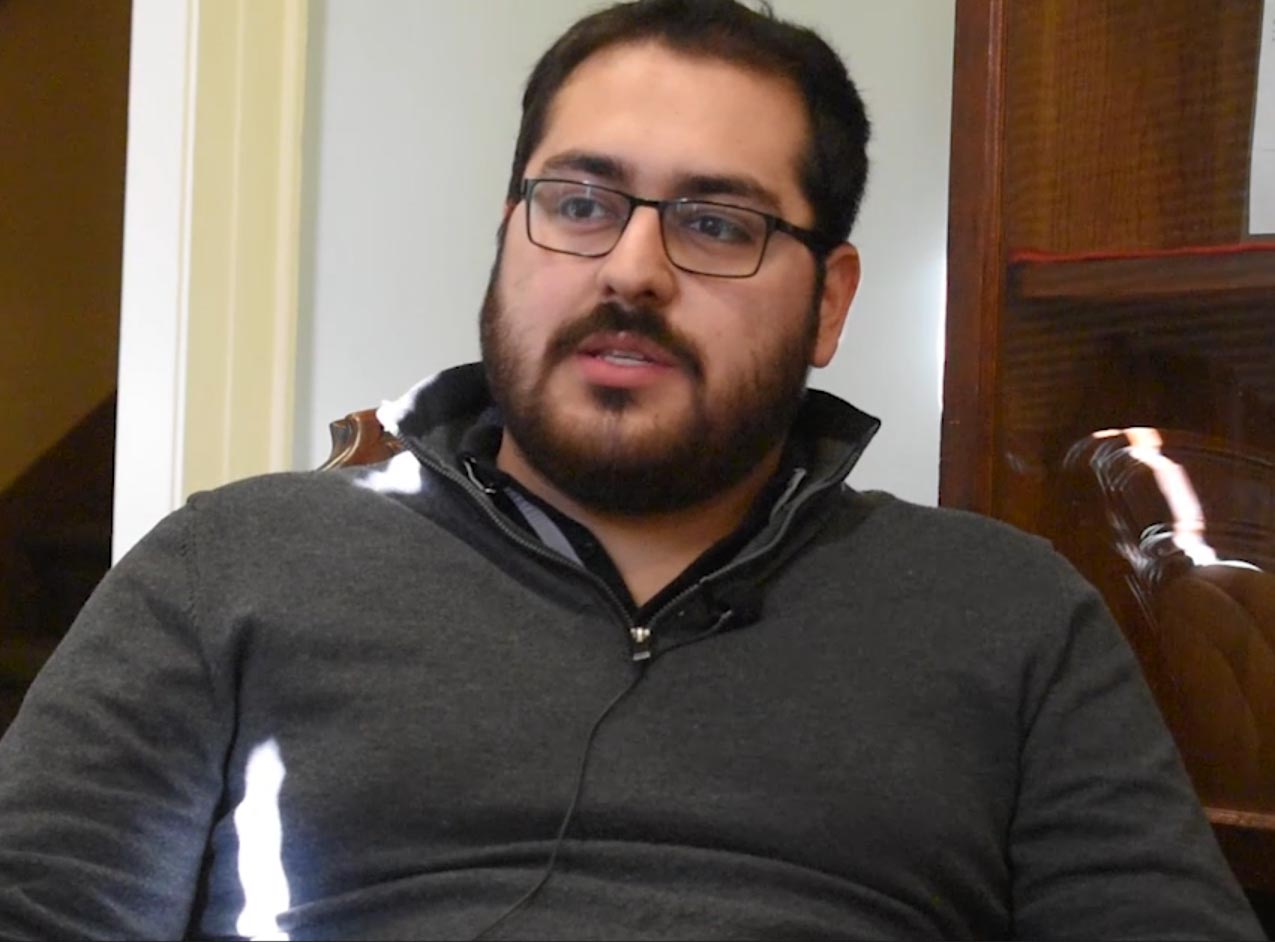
(1069, 369)
(1116, 134)
(975, 251)
(1128, 124)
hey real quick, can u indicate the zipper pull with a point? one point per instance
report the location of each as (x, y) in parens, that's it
(641, 636)
(474, 479)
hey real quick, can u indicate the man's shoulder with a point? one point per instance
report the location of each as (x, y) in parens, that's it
(923, 523)
(944, 580)
(308, 505)
(282, 525)
(398, 479)
(953, 545)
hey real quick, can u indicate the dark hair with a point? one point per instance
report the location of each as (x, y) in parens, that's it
(834, 168)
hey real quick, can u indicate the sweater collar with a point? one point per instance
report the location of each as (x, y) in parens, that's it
(440, 411)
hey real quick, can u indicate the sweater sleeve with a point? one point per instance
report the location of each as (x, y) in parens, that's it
(1108, 838)
(111, 772)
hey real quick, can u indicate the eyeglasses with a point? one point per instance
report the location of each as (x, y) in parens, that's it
(700, 236)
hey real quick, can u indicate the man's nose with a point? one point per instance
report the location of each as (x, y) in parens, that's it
(638, 269)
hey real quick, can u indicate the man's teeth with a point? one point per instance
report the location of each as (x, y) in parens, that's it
(624, 358)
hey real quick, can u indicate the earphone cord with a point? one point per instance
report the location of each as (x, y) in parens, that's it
(527, 897)
(571, 809)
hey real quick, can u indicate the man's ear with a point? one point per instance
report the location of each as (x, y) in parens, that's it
(839, 286)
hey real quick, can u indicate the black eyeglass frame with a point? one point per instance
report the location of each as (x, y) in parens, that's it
(818, 243)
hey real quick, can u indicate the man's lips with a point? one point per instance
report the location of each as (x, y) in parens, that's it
(623, 360)
(624, 347)
(612, 339)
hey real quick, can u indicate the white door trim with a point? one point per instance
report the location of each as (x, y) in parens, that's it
(208, 306)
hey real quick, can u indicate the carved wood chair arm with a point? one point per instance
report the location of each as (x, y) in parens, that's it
(360, 439)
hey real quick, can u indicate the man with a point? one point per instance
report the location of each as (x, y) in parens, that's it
(611, 651)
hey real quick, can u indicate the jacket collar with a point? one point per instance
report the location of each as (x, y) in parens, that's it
(438, 412)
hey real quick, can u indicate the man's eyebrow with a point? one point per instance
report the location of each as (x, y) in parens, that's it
(705, 185)
(610, 169)
(618, 172)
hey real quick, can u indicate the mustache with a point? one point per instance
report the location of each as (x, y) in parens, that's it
(610, 317)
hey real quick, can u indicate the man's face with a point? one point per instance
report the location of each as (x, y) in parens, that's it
(632, 386)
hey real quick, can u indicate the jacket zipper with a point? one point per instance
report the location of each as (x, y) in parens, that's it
(641, 637)
(470, 486)
(726, 570)
(734, 565)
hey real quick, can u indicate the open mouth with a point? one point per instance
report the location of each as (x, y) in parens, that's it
(622, 360)
(622, 357)
(626, 350)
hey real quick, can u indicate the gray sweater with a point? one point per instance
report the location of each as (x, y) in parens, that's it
(356, 703)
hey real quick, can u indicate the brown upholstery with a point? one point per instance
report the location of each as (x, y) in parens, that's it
(1218, 625)
(1211, 627)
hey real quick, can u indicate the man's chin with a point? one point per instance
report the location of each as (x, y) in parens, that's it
(616, 433)
(578, 400)
(634, 460)
(635, 478)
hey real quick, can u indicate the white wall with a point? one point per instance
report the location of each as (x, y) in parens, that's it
(412, 110)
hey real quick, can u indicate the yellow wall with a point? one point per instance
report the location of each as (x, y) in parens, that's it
(63, 101)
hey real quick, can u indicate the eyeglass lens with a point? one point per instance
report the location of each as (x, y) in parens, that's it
(703, 237)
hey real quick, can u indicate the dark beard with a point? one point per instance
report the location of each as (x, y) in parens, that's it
(712, 451)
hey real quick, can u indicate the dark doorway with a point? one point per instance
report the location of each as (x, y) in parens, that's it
(63, 123)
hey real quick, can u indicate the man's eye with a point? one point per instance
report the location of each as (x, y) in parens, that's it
(582, 208)
(719, 228)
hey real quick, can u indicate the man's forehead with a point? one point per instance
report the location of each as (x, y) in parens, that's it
(643, 115)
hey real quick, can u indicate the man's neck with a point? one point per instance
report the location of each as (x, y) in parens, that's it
(650, 551)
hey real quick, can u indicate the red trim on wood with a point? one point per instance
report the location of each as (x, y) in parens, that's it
(1170, 277)
(1230, 248)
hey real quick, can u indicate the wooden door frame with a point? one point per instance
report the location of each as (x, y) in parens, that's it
(976, 256)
